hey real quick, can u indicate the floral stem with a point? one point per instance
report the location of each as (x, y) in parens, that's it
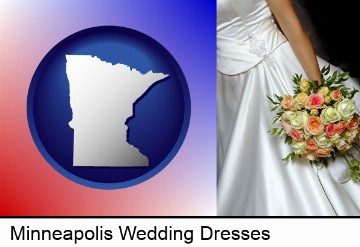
(317, 173)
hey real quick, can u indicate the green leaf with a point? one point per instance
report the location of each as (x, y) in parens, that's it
(325, 70)
(352, 93)
(344, 74)
(334, 75)
(344, 91)
(274, 108)
(325, 162)
(334, 155)
(290, 156)
(276, 119)
(273, 131)
(329, 79)
(272, 101)
(288, 140)
(279, 98)
(297, 79)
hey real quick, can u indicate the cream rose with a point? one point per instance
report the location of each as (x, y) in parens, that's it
(299, 119)
(323, 141)
(350, 135)
(299, 147)
(329, 114)
(287, 115)
(346, 108)
(335, 138)
(342, 145)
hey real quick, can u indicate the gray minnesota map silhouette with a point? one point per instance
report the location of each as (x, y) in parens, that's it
(101, 98)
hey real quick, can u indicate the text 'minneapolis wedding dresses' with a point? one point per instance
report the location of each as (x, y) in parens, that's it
(254, 59)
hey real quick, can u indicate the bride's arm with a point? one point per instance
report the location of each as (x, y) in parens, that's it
(299, 41)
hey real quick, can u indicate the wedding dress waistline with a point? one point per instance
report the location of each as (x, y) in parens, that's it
(238, 54)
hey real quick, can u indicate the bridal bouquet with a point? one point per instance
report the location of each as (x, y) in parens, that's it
(320, 122)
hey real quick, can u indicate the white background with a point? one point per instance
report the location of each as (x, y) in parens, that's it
(284, 231)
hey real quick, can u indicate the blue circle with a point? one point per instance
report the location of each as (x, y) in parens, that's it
(157, 128)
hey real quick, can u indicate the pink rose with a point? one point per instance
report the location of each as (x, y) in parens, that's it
(341, 126)
(310, 156)
(287, 126)
(296, 135)
(354, 123)
(331, 129)
(336, 95)
(314, 126)
(323, 152)
(311, 144)
(288, 102)
(314, 101)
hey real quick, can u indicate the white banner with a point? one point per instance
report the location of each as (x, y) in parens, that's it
(178, 232)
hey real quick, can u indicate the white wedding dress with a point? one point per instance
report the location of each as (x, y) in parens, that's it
(254, 59)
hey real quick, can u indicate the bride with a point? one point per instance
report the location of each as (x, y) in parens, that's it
(255, 59)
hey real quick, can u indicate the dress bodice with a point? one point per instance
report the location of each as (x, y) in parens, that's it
(246, 34)
(240, 14)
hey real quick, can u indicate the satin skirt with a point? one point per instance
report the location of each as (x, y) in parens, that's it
(252, 178)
